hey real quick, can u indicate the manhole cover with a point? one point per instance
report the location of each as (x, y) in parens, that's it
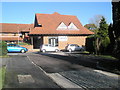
(25, 79)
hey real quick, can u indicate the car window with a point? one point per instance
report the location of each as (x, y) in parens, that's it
(13, 45)
(17, 46)
(10, 45)
(72, 45)
(45, 45)
(76, 45)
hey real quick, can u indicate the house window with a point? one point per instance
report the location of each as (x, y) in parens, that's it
(62, 26)
(53, 41)
(72, 27)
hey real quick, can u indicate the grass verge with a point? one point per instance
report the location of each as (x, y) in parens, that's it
(102, 56)
(5, 56)
(2, 76)
(107, 56)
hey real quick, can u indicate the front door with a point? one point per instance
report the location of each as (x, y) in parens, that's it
(53, 41)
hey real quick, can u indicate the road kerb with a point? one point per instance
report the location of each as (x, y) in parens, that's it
(58, 79)
(62, 81)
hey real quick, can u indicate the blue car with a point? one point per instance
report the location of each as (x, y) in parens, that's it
(16, 48)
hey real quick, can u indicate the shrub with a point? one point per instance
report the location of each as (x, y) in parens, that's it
(23, 43)
(90, 44)
(3, 48)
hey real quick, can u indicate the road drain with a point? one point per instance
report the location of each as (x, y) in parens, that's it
(25, 79)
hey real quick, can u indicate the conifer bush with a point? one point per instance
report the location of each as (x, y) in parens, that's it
(3, 48)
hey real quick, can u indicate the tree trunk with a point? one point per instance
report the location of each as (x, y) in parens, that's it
(97, 46)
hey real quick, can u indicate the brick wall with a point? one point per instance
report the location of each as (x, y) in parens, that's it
(80, 40)
(45, 40)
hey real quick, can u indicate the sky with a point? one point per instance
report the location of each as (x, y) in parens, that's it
(24, 12)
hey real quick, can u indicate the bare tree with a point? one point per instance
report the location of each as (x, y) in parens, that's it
(96, 20)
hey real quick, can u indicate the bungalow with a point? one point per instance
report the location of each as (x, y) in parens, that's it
(57, 30)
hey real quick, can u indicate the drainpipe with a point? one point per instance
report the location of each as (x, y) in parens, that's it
(32, 42)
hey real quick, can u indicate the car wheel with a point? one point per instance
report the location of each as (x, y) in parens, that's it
(56, 50)
(43, 50)
(22, 51)
(70, 50)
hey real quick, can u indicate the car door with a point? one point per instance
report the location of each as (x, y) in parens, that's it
(10, 48)
(52, 48)
(13, 48)
(72, 46)
(17, 48)
(77, 48)
(49, 48)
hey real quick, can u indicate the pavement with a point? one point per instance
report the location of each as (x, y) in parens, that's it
(54, 71)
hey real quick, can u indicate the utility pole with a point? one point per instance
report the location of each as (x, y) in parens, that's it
(18, 33)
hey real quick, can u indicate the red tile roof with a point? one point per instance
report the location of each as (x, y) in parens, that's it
(12, 28)
(10, 38)
(50, 22)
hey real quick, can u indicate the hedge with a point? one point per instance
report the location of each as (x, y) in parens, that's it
(3, 48)
(23, 43)
(90, 44)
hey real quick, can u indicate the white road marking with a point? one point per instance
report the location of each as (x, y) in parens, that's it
(62, 81)
(58, 79)
(25, 79)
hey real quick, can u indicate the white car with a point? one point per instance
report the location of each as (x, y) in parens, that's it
(47, 47)
(73, 47)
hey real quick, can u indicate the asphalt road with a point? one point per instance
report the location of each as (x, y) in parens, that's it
(71, 68)
(33, 77)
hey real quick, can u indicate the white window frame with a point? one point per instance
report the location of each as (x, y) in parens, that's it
(72, 26)
(62, 26)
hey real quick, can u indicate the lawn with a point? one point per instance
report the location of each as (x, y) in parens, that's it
(2, 76)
